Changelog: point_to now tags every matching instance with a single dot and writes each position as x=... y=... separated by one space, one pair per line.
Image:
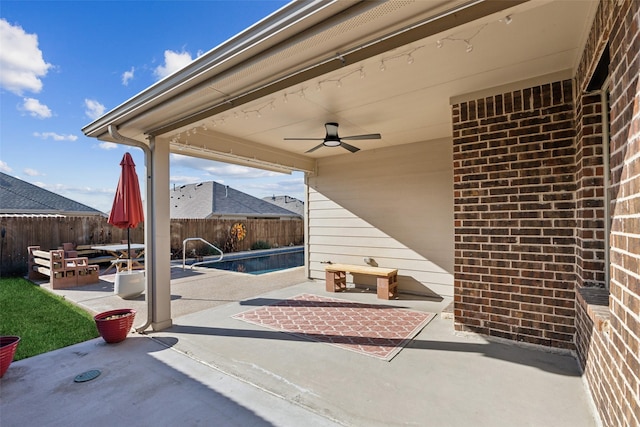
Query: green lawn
x=43 y=321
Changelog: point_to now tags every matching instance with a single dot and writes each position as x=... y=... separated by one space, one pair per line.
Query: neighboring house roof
x=289 y=203
x=211 y=199
x=20 y=197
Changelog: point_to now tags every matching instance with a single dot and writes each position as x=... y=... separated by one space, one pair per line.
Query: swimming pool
x=260 y=262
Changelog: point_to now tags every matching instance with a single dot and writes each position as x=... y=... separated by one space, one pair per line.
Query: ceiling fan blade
x=349 y=147
x=315 y=148
x=359 y=137
x=332 y=139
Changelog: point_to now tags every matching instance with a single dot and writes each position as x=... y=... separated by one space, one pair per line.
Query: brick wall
x=515 y=225
x=608 y=322
x=530 y=216
x=590 y=193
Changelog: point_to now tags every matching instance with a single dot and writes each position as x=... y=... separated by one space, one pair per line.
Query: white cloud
x=218 y=169
x=236 y=171
x=32 y=172
x=128 y=75
x=21 y=62
x=184 y=179
x=108 y=145
x=4 y=167
x=173 y=61
x=93 y=109
x=96 y=197
x=35 y=108
x=55 y=136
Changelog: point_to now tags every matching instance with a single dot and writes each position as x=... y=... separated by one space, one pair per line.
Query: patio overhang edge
x=245 y=48
x=265 y=159
x=248 y=44
x=459 y=15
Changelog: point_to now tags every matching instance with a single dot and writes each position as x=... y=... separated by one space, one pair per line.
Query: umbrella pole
x=129 y=248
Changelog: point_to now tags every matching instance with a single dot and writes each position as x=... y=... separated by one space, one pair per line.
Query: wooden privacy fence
x=52 y=232
x=218 y=231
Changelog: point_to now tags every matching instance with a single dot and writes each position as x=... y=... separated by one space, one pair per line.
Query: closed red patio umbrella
x=127 y=211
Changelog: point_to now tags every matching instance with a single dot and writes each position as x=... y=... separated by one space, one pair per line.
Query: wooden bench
x=387 y=278
x=63 y=272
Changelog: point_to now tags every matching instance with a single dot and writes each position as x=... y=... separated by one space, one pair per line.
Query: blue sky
x=65 y=63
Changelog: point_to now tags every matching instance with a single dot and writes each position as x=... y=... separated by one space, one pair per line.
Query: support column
x=159 y=235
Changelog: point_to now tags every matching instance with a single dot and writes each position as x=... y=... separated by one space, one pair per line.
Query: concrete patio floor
x=211 y=369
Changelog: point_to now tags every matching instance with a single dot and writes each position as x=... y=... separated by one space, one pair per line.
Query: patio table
x=121 y=252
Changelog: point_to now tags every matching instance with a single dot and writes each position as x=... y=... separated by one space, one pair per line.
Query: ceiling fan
x=332 y=139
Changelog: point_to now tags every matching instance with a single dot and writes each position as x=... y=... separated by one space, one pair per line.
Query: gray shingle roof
x=21 y=197
x=289 y=203
x=211 y=199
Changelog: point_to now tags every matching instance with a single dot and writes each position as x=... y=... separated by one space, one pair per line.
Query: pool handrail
x=184 y=251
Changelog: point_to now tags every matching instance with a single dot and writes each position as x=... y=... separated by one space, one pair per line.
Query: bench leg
x=63 y=279
x=336 y=281
x=387 y=287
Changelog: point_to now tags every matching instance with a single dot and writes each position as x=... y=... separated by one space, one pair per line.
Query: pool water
x=262 y=263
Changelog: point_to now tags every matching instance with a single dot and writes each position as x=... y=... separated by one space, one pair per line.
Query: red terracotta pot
x=114 y=325
x=8 y=345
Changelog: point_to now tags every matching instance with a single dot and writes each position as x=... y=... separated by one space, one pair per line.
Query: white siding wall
x=394 y=205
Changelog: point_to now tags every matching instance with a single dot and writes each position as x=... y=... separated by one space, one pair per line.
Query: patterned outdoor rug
x=374 y=330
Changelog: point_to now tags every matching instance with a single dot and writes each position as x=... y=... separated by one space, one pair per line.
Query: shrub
x=260 y=244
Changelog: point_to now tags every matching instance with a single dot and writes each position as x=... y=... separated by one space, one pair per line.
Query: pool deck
x=192 y=290
x=212 y=369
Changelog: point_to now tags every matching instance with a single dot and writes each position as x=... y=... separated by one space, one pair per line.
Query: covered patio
x=505 y=179
x=211 y=368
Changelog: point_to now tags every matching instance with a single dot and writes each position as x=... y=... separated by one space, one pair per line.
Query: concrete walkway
x=211 y=369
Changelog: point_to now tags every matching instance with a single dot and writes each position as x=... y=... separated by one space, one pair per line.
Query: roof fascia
x=260 y=36
x=459 y=15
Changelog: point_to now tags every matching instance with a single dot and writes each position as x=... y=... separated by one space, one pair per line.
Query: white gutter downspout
x=149 y=222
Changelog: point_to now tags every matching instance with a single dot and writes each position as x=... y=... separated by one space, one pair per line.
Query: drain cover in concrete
x=87 y=376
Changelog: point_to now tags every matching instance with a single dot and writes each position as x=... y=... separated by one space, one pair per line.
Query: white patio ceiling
x=238 y=108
